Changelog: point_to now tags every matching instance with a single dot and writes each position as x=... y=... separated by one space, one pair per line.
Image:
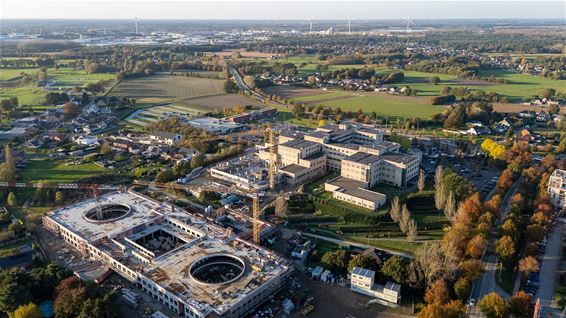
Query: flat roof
x=363 y=157
x=400 y=158
x=71 y=217
x=363 y=272
x=356 y=189
x=293 y=168
x=172 y=272
x=298 y=144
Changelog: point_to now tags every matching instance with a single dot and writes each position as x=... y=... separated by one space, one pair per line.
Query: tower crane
x=256 y=211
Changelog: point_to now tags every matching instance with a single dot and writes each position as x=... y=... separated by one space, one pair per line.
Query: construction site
x=192 y=266
x=245 y=172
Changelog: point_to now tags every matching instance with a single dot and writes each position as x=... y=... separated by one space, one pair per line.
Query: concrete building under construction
x=192 y=267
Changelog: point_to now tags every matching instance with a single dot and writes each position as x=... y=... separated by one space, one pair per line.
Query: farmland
x=199 y=93
x=162 y=88
x=383 y=104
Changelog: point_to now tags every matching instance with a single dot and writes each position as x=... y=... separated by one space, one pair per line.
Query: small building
x=317 y=272
x=363 y=281
x=165 y=137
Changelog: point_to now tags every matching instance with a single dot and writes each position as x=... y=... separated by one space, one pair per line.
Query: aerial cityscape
x=280 y=158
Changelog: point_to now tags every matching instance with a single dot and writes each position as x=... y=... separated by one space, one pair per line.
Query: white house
x=363 y=281
x=165 y=137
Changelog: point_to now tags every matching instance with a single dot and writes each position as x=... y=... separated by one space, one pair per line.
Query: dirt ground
x=220 y=101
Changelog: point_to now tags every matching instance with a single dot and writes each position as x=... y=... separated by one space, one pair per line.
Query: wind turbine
x=409 y=22
x=349 y=25
x=136 y=22
x=310 y=24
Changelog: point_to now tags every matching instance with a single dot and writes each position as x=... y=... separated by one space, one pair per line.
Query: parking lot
x=484 y=177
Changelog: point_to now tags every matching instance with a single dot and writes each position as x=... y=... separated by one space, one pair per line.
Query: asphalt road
x=487 y=283
x=549 y=268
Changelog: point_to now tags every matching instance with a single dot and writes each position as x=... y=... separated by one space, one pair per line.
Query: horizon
x=281 y=10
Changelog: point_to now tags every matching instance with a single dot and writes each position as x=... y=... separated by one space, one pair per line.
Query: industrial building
x=192 y=267
x=358 y=151
x=557 y=189
x=215 y=125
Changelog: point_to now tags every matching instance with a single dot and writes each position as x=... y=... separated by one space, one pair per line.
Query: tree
x=476 y=246
x=197 y=161
x=281 y=206
x=505 y=181
x=11 y=200
x=439 y=196
x=462 y=288
x=429 y=264
x=520 y=305
x=7 y=174
x=412 y=230
x=321 y=123
x=30 y=310
x=422 y=180
x=528 y=265
x=105 y=149
x=9 y=157
x=404 y=219
x=493 y=306
x=492 y=148
x=472 y=269
x=362 y=261
x=70 y=109
x=505 y=247
x=164 y=175
x=395 y=210
x=450 y=206
x=59 y=197
x=336 y=261
x=69 y=302
x=437 y=292
x=434 y=80
x=394 y=269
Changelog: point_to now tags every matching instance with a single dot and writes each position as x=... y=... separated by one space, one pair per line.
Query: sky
x=281 y=10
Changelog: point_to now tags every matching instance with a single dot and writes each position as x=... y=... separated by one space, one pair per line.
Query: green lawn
x=64 y=78
x=388 y=105
x=27 y=94
x=9 y=73
x=522 y=85
x=57 y=171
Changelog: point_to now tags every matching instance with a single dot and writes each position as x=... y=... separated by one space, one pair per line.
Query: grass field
x=384 y=105
x=27 y=94
x=57 y=171
x=64 y=78
x=522 y=85
x=161 y=88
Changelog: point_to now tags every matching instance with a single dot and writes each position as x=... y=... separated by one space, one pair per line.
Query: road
x=342 y=242
x=245 y=87
x=487 y=283
x=549 y=269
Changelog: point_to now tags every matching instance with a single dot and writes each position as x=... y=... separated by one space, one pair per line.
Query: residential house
x=165 y=137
